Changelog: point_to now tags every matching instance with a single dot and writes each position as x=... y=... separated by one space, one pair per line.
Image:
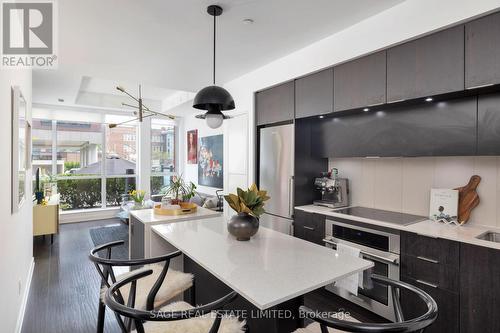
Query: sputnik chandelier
x=142 y=111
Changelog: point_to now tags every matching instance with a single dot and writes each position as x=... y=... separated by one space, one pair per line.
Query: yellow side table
x=46 y=220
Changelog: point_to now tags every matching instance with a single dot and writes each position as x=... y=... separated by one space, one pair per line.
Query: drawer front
x=429 y=272
x=441 y=251
x=448 y=306
x=309 y=226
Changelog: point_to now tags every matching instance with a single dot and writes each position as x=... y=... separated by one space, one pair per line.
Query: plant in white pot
x=250 y=206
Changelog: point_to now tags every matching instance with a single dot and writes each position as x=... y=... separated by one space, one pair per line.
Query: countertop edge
x=168 y=219
x=420 y=228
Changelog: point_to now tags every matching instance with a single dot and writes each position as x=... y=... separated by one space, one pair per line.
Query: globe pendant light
x=213 y=98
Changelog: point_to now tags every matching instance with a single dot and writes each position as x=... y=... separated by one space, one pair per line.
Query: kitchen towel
x=350 y=283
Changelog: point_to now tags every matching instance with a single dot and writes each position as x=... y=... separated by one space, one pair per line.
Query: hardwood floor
x=65 y=286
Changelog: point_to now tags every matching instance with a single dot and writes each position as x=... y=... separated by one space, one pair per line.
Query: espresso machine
x=334 y=190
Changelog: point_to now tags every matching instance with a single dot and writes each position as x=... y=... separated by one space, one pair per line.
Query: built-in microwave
x=378 y=245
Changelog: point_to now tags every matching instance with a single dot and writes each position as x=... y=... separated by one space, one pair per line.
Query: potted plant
x=138 y=197
x=250 y=206
x=179 y=190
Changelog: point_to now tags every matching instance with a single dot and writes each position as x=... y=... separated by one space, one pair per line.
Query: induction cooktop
x=381 y=215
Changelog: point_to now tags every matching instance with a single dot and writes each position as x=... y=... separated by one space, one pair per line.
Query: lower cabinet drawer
x=441 y=250
x=448 y=306
x=430 y=272
x=309 y=226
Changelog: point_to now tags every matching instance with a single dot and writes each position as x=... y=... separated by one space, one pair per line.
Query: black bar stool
x=401 y=325
x=175 y=317
x=153 y=292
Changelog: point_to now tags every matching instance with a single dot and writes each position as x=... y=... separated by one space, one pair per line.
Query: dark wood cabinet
x=314 y=94
x=448 y=307
x=431 y=264
x=437 y=249
x=432 y=129
x=360 y=83
x=309 y=226
x=275 y=104
x=482 y=51
x=427 y=66
x=306 y=167
x=488 y=125
x=479 y=289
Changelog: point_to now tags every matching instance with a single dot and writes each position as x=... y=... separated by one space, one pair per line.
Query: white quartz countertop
x=464 y=234
x=148 y=216
x=269 y=269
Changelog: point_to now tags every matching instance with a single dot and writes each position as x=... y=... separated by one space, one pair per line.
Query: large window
x=162 y=153
x=79 y=149
x=121 y=163
x=79 y=164
x=42 y=146
x=95 y=166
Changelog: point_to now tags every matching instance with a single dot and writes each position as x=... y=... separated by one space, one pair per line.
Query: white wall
x=235 y=131
x=403 y=184
x=187 y=123
x=16 y=231
x=405 y=21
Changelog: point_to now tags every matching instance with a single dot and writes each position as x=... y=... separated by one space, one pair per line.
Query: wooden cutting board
x=468 y=199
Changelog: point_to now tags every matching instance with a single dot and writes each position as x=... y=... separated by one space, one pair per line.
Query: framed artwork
x=192 y=147
x=20 y=149
x=210 y=161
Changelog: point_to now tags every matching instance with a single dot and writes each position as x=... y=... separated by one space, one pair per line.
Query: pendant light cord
x=214 y=51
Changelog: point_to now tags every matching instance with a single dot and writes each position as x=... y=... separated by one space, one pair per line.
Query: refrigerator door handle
x=290 y=196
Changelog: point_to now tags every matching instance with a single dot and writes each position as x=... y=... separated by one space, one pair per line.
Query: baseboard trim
x=24 y=302
x=87 y=215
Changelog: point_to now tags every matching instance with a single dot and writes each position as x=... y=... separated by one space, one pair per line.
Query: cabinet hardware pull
x=428 y=236
x=392 y=261
x=309 y=228
x=396 y=101
x=428 y=259
x=480 y=86
x=427 y=284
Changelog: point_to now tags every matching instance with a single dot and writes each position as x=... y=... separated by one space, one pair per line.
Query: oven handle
x=392 y=261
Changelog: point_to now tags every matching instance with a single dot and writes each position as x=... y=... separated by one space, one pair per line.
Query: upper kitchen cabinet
x=360 y=83
x=314 y=94
x=427 y=66
x=488 y=125
x=434 y=129
x=275 y=104
x=482 y=52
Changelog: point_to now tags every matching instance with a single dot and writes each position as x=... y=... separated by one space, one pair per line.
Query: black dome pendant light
x=213 y=98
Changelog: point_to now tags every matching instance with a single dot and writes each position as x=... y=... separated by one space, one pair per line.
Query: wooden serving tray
x=186 y=208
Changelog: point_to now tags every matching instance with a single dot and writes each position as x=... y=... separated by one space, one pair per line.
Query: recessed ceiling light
x=321 y=117
x=429 y=99
x=248 y=21
x=60 y=100
x=366 y=109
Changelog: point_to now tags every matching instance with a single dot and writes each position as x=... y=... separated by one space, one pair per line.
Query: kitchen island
x=140 y=228
x=270 y=272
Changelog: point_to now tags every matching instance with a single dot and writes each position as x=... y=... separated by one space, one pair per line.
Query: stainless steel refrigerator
x=276 y=171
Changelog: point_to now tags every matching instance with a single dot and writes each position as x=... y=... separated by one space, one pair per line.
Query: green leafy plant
x=251 y=201
x=180 y=189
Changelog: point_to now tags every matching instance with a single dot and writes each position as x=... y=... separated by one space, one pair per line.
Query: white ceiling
x=167 y=45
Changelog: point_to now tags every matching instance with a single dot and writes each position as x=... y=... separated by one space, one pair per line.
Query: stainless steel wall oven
x=380 y=245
